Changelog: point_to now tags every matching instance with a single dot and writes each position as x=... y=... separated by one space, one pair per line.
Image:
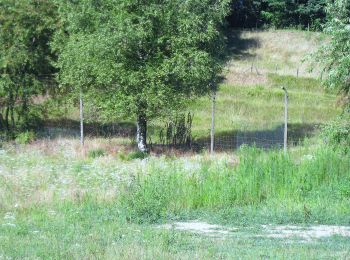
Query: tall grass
x=312 y=182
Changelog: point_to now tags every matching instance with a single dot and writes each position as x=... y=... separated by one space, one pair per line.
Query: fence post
x=81 y=119
x=285 y=139
x=212 y=131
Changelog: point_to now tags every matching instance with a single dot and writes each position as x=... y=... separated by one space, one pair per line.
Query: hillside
x=253 y=101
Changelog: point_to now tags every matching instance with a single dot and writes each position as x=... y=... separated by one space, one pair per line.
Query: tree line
x=136 y=59
x=301 y=14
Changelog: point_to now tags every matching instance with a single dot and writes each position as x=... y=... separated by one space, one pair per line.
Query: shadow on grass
x=224 y=141
x=267 y=139
x=238 y=48
x=71 y=128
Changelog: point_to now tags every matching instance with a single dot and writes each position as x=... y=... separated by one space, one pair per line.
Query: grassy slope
x=250 y=102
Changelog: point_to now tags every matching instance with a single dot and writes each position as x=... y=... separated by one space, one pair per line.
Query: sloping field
x=251 y=99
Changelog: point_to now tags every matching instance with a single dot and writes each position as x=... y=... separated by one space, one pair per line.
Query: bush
x=136 y=155
x=96 y=153
x=261 y=178
x=337 y=133
x=25 y=137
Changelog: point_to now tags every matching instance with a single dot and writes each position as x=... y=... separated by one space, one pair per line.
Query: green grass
x=91 y=230
x=295 y=190
x=261 y=107
x=66 y=206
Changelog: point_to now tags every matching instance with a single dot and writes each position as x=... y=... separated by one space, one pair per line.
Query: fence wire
x=266 y=138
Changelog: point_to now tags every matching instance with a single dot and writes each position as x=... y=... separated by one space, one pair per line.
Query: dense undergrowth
x=313 y=187
x=56 y=203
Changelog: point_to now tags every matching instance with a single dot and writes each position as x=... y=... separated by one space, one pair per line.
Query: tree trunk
x=7 y=118
x=2 y=125
x=142 y=133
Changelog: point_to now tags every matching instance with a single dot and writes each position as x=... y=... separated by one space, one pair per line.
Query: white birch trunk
x=141 y=133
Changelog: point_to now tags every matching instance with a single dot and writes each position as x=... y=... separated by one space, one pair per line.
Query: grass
x=261 y=106
x=93 y=231
x=304 y=187
x=273 y=51
x=66 y=205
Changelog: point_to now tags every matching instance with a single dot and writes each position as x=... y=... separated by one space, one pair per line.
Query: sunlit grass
x=261 y=107
x=66 y=205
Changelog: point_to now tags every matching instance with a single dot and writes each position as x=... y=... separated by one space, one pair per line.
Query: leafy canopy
x=138 y=56
x=334 y=56
x=25 y=30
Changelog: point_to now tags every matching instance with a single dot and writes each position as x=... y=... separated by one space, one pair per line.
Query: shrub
x=337 y=132
x=136 y=155
x=25 y=137
x=96 y=153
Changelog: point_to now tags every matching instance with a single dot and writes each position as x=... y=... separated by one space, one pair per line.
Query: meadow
x=108 y=201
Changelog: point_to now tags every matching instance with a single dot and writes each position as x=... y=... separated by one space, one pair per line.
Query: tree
x=140 y=59
x=334 y=55
x=25 y=30
x=277 y=13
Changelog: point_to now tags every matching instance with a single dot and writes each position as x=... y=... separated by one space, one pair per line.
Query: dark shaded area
x=71 y=128
x=303 y=14
x=224 y=141
x=266 y=139
x=237 y=47
x=232 y=140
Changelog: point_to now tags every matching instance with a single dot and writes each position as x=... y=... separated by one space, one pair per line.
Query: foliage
x=178 y=131
x=136 y=155
x=25 y=137
x=26 y=28
x=260 y=178
x=94 y=153
x=337 y=132
x=334 y=55
x=140 y=59
x=278 y=13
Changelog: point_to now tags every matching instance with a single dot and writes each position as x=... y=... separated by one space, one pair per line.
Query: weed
x=136 y=155
x=96 y=153
x=260 y=178
x=25 y=137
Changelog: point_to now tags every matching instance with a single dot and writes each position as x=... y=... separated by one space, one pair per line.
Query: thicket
x=302 y=187
x=25 y=30
x=303 y=14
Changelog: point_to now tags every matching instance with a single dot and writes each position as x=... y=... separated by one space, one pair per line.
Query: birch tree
x=138 y=58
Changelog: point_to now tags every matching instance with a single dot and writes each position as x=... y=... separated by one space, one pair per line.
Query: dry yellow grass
x=275 y=51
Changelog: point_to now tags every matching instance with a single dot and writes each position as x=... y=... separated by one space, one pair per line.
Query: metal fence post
x=285 y=139
x=212 y=131
x=81 y=119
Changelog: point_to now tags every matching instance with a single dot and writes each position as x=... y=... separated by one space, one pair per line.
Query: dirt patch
x=305 y=233
x=285 y=232
x=200 y=228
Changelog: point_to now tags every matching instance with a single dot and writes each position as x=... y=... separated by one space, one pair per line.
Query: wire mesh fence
x=262 y=137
